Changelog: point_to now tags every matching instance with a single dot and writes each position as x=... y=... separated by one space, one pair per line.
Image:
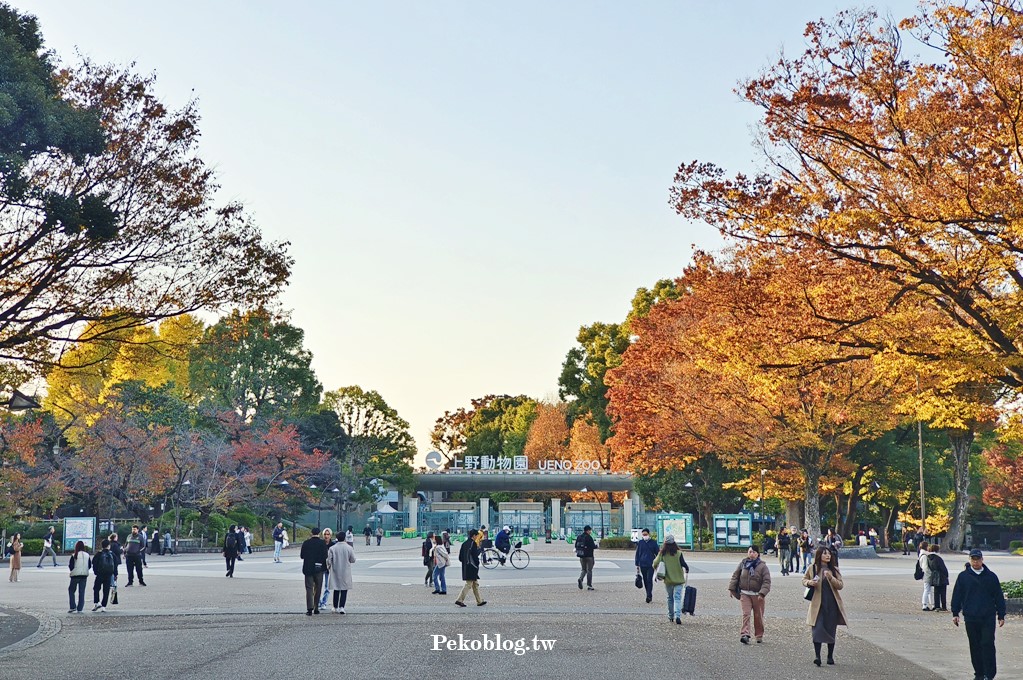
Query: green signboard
x=678 y=524
x=733 y=531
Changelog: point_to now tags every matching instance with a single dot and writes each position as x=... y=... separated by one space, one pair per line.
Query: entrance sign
x=678 y=524
x=79 y=529
x=512 y=463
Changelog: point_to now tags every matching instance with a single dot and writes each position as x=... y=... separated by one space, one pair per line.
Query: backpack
x=580 y=551
x=918 y=573
x=232 y=542
x=103 y=565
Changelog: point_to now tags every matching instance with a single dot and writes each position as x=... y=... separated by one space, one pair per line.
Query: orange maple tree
x=741 y=365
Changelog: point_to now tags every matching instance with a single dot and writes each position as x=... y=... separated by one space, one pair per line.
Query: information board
x=678 y=524
x=733 y=531
x=79 y=529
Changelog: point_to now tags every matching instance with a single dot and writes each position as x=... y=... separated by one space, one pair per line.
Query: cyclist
x=503 y=541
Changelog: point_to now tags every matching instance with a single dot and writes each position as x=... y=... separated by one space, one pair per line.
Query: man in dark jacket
x=646 y=551
x=584 y=547
x=230 y=550
x=469 y=556
x=134 y=546
x=314 y=564
x=978 y=595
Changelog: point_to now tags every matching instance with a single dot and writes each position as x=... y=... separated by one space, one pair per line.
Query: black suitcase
x=689 y=601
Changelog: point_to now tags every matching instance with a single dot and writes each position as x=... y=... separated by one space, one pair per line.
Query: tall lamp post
x=699 y=529
x=599 y=505
x=763 y=472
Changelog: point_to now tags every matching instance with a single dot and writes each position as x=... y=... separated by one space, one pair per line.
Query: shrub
x=617 y=543
x=1015 y=545
x=1013 y=589
x=33 y=547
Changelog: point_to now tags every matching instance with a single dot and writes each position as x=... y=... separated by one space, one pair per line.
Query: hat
x=670 y=538
x=506 y=528
x=976 y=553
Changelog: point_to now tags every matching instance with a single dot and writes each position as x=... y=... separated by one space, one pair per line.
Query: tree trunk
x=793 y=514
x=852 y=500
x=962 y=442
x=812 y=478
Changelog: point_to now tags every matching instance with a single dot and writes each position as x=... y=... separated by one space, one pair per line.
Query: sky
x=463 y=184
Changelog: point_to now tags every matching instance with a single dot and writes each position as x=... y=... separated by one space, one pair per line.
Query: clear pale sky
x=464 y=184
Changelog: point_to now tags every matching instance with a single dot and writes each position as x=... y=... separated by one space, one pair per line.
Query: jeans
x=648 y=580
x=78 y=584
x=784 y=559
x=326 y=590
x=277 y=550
x=440 y=582
x=313 y=583
x=587 y=570
x=48 y=551
x=981 y=635
x=674 y=599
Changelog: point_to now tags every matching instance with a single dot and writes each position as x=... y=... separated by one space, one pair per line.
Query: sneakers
x=71 y=611
x=760 y=641
x=590 y=588
x=678 y=621
x=39 y=566
x=142 y=584
x=340 y=610
x=744 y=639
x=129 y=585
x=580 y=582
x=96 y=608
x=103 y=609
x=648 y=599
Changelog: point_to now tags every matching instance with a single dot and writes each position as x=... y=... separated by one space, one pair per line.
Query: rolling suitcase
x=689 y=601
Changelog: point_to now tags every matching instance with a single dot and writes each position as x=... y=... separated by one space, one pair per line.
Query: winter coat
x=469 y=556
x=16 y=547
x=441 y=558
x=340 y=559
x=926 y=566
x=313 y=553
x=759 y=581
x=978 y=596
x=937 y=571
x=815 y=604
x=646 y=551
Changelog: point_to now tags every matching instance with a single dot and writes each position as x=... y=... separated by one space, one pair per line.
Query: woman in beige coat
x=16 y=546
x=826 y=611
x=340 y=559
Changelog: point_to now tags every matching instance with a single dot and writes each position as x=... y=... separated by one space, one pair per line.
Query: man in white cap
x=978 y=595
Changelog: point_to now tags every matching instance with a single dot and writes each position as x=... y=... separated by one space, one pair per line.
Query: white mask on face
x=646 y=538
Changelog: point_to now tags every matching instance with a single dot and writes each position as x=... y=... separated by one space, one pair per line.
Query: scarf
x=751 y=565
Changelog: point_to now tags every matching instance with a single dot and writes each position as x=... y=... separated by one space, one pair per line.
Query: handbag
x=808 y=593
x=639 y=581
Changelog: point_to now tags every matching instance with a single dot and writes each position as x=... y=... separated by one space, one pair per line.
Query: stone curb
x=48 y=627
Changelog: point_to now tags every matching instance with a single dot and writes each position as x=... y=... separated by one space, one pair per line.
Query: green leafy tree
x=256 y=366
x=376 y=443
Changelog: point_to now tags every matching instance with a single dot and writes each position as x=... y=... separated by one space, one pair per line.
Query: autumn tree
x=118 y=234
x=722 y=370
x=906 y=165
x=548 y=436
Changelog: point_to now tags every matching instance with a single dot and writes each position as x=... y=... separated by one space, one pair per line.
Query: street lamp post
x=599 y=505
x=177 y=509
x=696 y=492
x=762 y=473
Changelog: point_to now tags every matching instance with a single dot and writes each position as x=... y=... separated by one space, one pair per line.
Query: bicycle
x=518 y=557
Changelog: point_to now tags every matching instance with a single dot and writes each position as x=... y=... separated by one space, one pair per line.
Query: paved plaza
x=191 y=622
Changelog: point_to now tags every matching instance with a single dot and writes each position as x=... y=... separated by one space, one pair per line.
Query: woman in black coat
x=939 y=577
x=469 y=556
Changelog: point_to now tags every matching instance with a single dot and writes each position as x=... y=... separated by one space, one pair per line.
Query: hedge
x=1015 y=545
x=1013 y=589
